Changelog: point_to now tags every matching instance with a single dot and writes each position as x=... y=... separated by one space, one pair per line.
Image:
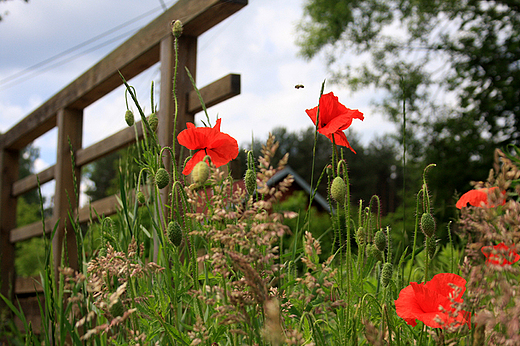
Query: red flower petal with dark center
x=422 y=302
x=500 y=254
x=220 y=147
x=479 y=198
x=334 y=118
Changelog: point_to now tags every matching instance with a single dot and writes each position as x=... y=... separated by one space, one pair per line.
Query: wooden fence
x=64 y=110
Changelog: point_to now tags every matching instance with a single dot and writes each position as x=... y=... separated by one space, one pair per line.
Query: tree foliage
x=453 y=67
x=373 y=170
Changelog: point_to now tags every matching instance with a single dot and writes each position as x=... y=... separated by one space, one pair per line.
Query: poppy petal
x=340 y=139
x=199 y=156
x=334 y=118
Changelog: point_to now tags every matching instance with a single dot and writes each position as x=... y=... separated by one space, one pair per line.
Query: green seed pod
x=380 y=240
x=373 y=252
x=140 y=197
x=200 y=173
x=386 y=274
x=177 y=28
x=360 y=236
x=431 y=246
x=250 y=181
x=129 y=117
x=117 y=309
x=153 y=121
x=162 y=178
x=428 y=224
x=338 y=190
x=174 y=233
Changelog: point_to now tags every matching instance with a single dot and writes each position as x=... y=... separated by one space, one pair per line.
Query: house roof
x=301 y=183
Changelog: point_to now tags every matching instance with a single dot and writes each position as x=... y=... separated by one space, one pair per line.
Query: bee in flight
x=299 y=86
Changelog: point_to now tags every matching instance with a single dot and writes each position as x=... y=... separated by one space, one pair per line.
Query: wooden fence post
x=9 y=161
x=187 y=57
x=70 y=128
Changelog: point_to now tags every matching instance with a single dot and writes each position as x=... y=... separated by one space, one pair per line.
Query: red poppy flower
x=334 y=118
x=500 y=254
x=221 y=147
x=423 y=302
x=479 y=198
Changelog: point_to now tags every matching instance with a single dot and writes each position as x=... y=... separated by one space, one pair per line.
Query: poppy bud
x=386 y=274
x=140 y=197
x=117 y=309
x=153 y=121
x=129 y=117
x=250 y=181
x=177 y=28
x=428 y=224
x=360 y=236
x=380 y=240
x=329 y=170
x=373 y=252
x=162 y=178
x=431 y=246
x=174 y=233
x=337 y=190
x=200 y=173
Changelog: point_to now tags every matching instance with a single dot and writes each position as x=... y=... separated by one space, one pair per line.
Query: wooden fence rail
x=64 y=110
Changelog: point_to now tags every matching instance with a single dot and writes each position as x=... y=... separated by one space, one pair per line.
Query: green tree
x=373 y=170
x=451 y=66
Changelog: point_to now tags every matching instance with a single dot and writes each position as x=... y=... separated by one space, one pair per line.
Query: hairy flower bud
x=174 y=233
x=129 y=117
x=373 y=252
x=177 y=28
x=153 y=121
x=250 y=181
x=140 y=197
x=386 y=274
x=360 y=236
x=380 y=240
x=200 y=173
x=428 y=224
x=338 y=190
x=162 y=178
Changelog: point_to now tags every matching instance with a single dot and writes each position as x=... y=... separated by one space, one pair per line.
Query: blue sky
x=257 y=42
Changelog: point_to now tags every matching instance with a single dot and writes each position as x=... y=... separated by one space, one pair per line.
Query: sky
x=38 y=58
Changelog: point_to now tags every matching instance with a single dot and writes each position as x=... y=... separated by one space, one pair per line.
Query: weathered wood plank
x=30 y=182
x=214 y=93
x=28 y=285
x=131 y=58
x=108 y=145
x=9 y=161
x=106 y=206
x=70 y=131
x=32 y=230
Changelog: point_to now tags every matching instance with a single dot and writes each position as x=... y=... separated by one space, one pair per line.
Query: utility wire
x=18 y=76
x=59 y=63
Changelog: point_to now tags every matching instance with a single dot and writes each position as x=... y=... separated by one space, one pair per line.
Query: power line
x=17 y=77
